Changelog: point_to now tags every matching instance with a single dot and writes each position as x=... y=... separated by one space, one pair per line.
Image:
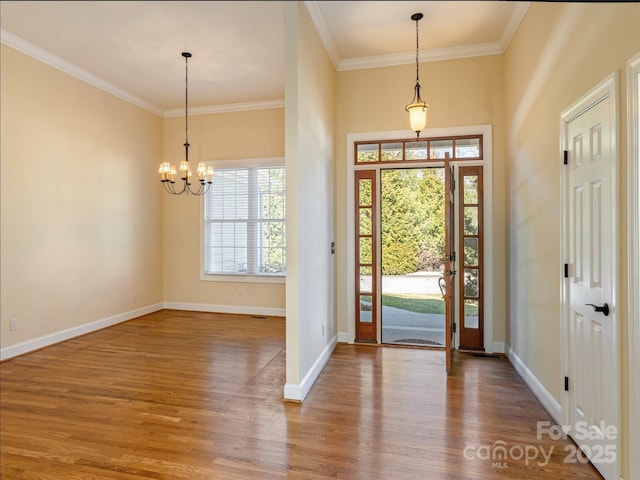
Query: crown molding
x=52 y=60
x=434 y=55
x=321 y=27
x=478 y=50
x=48 y=58
x=227 y=108
x=514 y=22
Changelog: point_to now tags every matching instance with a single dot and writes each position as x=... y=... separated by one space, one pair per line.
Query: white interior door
x=591 y=343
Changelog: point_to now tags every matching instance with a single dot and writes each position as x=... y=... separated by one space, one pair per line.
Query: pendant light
x=168 y=172
x=418 y=108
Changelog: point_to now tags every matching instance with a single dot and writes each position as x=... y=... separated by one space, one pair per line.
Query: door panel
x=592 y=345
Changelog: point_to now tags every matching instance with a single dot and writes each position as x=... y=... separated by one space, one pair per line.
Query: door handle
x=604 y=308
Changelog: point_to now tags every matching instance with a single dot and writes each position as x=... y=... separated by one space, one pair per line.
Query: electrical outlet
x=13 y=324
x=323 y=326
x=135 y=294
x=240 y=292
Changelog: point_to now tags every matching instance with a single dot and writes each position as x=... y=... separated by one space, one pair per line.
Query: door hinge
x=566 y=270
x=566 y=384
x=454 y=328
x=566 y=157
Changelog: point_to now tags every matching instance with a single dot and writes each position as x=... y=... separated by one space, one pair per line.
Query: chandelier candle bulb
x=210 y=172
x=164 y=171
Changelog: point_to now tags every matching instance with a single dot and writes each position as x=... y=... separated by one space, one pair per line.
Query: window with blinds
x=244 y=222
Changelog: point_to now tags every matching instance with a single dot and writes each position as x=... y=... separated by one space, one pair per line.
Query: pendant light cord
x=417 y=63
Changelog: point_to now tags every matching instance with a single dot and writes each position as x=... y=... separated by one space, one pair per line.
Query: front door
x=590 y=324
x=450 y=261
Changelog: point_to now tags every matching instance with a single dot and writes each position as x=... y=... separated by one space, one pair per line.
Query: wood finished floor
x=184 y=395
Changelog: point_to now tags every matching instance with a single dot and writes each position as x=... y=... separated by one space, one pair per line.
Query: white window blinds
x=244 y=222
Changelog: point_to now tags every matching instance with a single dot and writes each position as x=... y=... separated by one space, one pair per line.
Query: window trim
x=428 y=141
x=238 y=277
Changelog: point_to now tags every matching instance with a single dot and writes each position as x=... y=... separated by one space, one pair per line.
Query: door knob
x=604 y=308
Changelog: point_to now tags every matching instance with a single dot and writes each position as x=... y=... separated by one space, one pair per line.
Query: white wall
x=309 y=157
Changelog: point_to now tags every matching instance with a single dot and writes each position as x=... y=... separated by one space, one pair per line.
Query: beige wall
x=460 y=93
x=223 y=136
x=80 y=205
x=85 y=227
x=310 y=130
x=559 y=53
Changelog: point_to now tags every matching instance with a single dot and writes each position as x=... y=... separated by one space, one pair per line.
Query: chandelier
x=417 y=108
x=168 y=172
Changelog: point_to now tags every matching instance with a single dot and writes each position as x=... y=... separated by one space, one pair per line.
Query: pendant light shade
x=418 y=108
x=418 y=113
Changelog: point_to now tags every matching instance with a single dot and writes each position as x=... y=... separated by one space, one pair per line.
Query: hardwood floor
x=184 y=395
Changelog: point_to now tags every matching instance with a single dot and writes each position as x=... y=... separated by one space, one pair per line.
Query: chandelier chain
x=186 y=100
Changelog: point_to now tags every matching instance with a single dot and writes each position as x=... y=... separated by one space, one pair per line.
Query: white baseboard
x=343 y=337
x=542 y=394
x=237 y=309
x=298 y=392
x=498 y=347
x=69 y=333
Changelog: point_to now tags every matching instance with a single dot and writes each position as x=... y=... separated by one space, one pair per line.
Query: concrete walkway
x=402 y=326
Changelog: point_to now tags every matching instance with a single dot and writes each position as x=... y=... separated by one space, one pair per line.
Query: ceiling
x=132 y=48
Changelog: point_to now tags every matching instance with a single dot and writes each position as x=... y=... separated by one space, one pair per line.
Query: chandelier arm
x=201 y=190
x=168 y=187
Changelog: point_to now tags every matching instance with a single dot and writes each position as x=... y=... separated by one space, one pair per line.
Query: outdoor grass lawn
x=421 y=304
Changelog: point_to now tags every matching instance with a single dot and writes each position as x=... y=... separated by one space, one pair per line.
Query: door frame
x=487 y=132
x=607 y=88
x=633 y=192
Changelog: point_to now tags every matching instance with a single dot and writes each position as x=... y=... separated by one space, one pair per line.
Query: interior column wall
x=310 y=143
